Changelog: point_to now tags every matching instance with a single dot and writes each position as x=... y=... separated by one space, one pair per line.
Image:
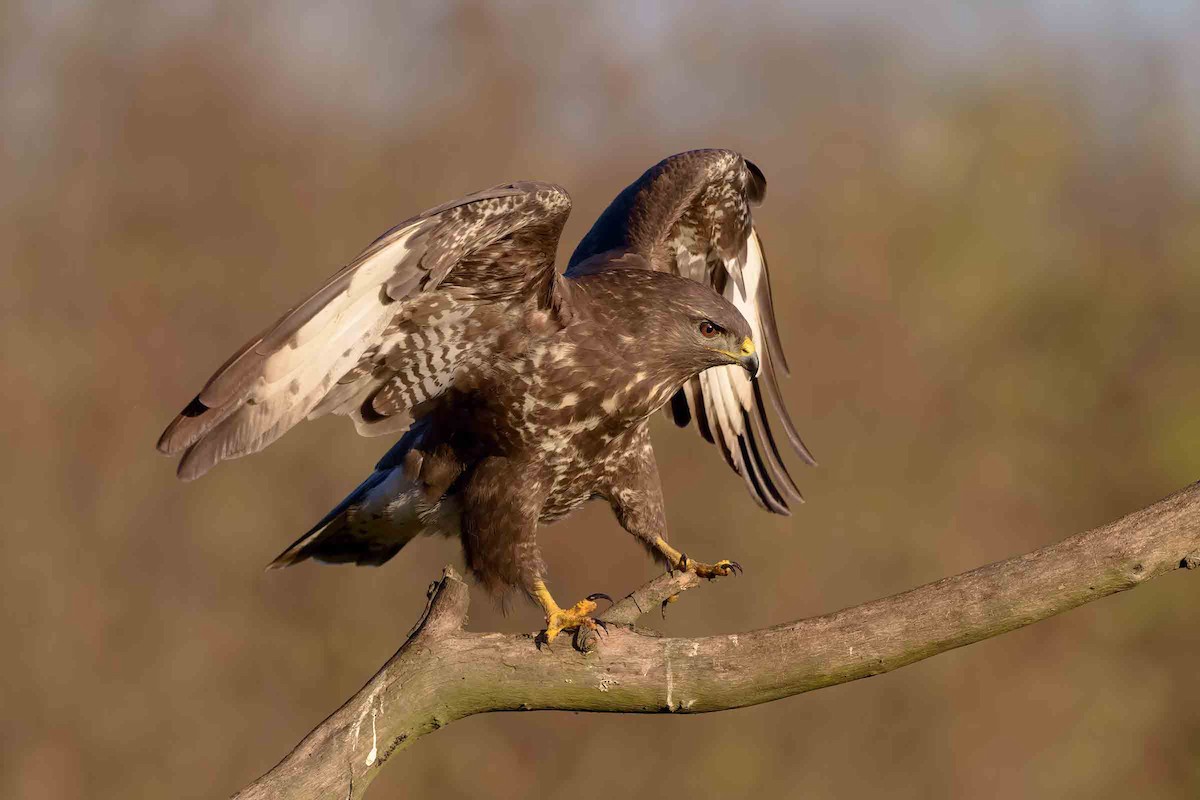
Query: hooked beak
x=748 y=357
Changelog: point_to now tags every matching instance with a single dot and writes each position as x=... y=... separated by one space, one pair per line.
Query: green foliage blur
x=984 y=228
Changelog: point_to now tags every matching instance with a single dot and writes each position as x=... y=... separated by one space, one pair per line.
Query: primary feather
x=386 y=333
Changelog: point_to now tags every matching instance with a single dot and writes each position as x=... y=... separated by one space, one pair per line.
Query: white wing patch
x=380 y=322
x=745 y=302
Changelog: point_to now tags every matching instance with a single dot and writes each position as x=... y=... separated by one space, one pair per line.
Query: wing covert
x=387 y=332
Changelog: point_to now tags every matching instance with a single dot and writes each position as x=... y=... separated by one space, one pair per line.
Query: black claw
x=735 y=567
x=600 y=595
x=682 y=562
x=665 y=603
x=601 y=623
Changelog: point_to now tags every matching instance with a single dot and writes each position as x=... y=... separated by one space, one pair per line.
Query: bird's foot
x=680 y=561
x=718 y=570
x=578 y=617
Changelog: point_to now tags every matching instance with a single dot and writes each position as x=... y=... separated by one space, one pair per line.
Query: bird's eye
x=708 y=330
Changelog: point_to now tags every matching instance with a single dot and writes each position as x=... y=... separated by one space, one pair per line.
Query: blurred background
x=984 y=229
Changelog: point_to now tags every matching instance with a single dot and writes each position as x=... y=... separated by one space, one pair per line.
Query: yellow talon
x=681 y=562
x=565 y=619
x=577 y=616
x=710 y=571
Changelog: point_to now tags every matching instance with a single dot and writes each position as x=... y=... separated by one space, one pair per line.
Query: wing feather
x=387 y=332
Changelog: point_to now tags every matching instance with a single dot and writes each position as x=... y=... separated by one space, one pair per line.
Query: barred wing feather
x=386 y=333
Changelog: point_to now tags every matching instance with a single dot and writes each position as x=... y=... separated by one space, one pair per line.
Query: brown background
x=984 y=232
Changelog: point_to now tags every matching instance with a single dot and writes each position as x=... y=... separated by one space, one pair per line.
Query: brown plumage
x=522 y=392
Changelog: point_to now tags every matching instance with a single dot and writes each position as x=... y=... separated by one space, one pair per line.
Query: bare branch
x=650 y=597
x=443 y=673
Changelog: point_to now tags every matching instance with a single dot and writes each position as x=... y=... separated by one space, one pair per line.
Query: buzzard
x=523 y=392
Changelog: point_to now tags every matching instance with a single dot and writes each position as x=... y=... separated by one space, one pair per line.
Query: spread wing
x=690 y=215
x=386 y=333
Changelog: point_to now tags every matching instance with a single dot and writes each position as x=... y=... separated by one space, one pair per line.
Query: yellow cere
x=747 y=350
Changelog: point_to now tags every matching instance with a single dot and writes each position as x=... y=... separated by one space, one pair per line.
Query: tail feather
x=383 y=514
x=356 y=531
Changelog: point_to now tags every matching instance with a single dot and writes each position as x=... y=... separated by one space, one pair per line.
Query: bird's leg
x=681 y=562
x=636 y=498
x=560 y=619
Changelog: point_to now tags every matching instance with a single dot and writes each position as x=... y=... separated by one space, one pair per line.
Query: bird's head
x=690 y=326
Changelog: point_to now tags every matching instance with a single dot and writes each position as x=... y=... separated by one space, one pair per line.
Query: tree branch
x=443 y=673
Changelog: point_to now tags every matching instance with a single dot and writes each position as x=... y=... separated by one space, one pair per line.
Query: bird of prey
x=523 y=392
